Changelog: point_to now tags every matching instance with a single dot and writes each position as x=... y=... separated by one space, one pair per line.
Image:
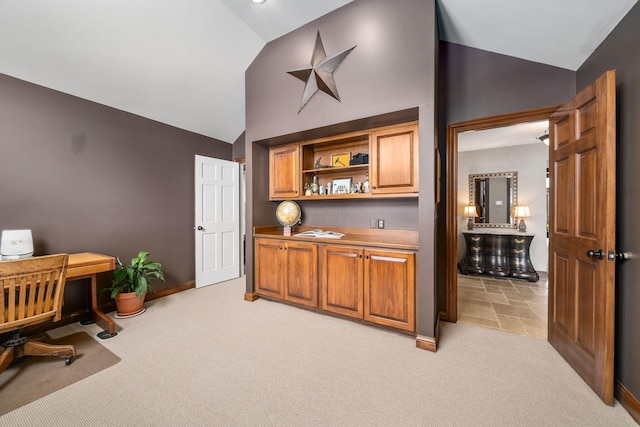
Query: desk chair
x=31 y=292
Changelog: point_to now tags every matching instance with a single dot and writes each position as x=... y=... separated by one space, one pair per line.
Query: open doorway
x=501 y=170
x=453 y=226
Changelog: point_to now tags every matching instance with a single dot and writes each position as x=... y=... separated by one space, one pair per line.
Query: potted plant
x=131 y=283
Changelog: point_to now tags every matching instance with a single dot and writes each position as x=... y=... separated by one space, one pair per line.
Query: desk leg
x=98 y=316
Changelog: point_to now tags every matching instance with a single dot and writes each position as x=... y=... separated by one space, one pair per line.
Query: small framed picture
x=340 y=160
x=341 y=186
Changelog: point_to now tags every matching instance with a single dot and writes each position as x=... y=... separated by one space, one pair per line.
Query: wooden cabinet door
x=268 y=271
x=342 y=280
x=284 y=172
x=393 y=157
x=301 y=273
x=389 y=288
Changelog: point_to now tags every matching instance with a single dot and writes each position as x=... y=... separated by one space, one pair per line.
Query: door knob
x=595 y=254
x=200 y=228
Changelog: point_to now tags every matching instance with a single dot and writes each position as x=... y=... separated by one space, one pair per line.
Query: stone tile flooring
x=510 y=305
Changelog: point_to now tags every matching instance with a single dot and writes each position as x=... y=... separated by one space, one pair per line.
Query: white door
x=217 y=221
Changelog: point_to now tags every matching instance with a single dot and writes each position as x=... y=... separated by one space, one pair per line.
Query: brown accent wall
x=619 y=52
x=474 y=83
x=89 y=178
x=391 y=69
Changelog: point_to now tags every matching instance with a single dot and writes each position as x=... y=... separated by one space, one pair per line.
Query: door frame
x=451 y=191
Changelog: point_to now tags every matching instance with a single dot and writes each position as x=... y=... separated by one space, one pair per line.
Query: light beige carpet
x=29 y=378
x=206 y=357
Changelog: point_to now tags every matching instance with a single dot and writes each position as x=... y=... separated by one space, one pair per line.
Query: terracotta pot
x=128 y=303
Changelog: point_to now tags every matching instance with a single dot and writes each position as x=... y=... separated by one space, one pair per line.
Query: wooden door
x=268 y=271
x=389 y=288
x=394 y=160
x=301 y=273
x=582 y=218
x=217 y=220
x=342 y=280
x=284 y=172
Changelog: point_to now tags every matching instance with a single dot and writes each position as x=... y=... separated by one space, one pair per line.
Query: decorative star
x=319 y=74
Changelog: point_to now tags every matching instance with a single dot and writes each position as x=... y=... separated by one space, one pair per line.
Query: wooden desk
x=87 y=265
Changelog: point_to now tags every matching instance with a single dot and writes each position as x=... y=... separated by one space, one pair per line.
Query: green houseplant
x=131 y=283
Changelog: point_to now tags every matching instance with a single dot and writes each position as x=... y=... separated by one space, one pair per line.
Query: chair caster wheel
x=68 y=360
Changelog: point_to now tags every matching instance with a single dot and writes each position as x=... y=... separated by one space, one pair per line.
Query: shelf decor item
x=340 y=160
x=288 y=214
x=341 y=185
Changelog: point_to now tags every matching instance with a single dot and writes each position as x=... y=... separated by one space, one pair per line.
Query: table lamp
x=471 y=212
x=521 y=211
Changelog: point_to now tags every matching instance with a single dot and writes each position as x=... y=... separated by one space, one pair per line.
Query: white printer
x=16 y=244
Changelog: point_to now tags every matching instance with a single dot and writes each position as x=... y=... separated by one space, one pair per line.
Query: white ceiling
x=183 y=62
x=520 y=134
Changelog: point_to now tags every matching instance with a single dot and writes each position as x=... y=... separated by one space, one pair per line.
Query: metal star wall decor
x=319 y=73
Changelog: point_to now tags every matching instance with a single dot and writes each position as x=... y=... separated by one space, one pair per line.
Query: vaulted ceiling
x=182 y=63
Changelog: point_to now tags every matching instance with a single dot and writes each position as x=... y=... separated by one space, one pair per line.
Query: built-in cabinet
x=390 y=168
x=287 y=270
x=284 y=172
x=373 y=284
x=370 y=284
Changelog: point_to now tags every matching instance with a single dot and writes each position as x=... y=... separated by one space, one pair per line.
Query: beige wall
x=530 y=161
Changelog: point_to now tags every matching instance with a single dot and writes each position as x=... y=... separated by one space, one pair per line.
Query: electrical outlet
x=381 y=223
x=373 y=223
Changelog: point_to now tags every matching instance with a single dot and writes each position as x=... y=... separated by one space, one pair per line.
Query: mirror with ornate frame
x=494 y=195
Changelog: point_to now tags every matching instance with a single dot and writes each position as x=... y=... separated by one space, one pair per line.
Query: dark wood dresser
x=500 y=254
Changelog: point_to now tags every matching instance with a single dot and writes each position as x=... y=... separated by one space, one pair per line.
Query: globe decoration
x=288 y=214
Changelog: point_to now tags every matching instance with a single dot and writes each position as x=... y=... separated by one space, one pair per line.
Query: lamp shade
x=470 y=211
x=521 y=211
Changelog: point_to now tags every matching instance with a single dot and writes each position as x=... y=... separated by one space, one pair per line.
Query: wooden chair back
x=31 y=290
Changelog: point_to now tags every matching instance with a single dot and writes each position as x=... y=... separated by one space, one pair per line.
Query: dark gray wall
x=618 y=52
x=238 y=148
x=85 y=177
x=391 y=69
x=475 y=83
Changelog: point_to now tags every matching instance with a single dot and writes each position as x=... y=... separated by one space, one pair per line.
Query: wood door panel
x=560 y=311
x=342 y=280
x=582 y=160
x=389 y=294
x=586 y=117
x=562 y=130
x=586 y=215
x=586 y=307
x=562 y=191
x=268 y=267
x=301 y=276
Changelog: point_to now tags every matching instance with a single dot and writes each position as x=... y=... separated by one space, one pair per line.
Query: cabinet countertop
x=386 y=238
x=500 y=231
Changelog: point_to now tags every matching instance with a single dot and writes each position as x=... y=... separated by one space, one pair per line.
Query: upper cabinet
x=394 y=160
x=380 y=162
x=284 y=172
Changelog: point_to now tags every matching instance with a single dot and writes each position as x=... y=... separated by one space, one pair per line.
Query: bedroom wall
x=391 y=69
x=474 y=84
x=618 y=52
x=89 y=178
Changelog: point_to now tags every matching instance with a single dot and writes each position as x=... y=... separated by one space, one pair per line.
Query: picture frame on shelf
x=341 y=185
x=340 y=160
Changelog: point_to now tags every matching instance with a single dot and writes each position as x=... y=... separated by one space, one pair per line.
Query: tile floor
x=510 y=305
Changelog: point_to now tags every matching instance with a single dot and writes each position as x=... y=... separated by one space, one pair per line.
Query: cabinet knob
x=374 y=187
x=366 y=257
x=360 y=256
